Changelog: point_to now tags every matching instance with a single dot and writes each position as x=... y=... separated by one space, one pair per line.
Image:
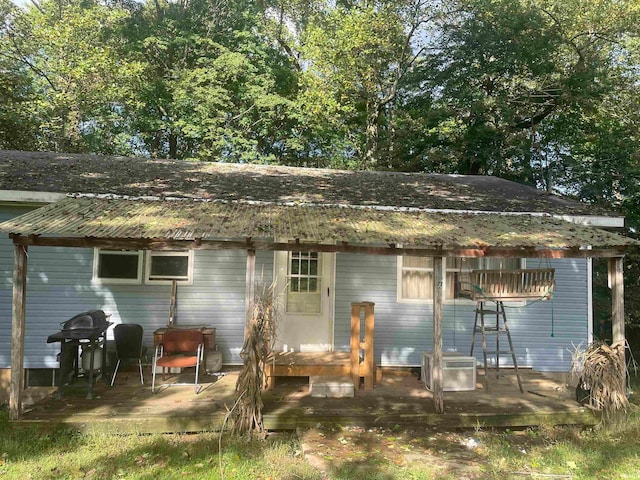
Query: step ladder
x=500 y=328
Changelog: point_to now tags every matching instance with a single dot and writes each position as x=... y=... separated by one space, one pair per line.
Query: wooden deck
x=400 y=399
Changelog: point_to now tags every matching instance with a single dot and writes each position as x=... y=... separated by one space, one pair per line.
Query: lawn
x=348 y=453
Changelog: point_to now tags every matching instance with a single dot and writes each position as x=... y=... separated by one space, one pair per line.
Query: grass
x=544 y=452
x=611 y=452
x=32 y=453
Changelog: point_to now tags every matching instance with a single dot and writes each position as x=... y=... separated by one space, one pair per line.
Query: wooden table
x=209 y=334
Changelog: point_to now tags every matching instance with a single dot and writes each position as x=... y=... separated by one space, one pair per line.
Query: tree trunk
x=173 y=145
x=372 y=136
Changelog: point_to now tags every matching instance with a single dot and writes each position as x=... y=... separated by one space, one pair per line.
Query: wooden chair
x=179 y=349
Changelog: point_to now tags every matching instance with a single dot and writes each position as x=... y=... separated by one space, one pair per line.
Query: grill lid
x=93 y=319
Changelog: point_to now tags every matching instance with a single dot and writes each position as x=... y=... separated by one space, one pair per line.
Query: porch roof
x=252 y=225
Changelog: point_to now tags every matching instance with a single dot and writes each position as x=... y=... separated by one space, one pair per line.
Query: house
x=113 y=233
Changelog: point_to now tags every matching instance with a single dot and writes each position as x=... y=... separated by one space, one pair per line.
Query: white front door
x=305 y=286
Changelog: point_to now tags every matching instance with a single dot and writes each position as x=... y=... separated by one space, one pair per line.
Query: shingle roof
x=191 y=220
x=91 y=174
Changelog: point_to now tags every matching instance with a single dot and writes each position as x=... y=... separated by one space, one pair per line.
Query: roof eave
x=342 y=247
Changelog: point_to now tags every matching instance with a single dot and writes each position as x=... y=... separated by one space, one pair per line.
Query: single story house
x=86 y=232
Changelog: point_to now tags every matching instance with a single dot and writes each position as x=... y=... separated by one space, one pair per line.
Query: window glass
x=303 y=293
x=167 y=266
x=416 y=282
x=113 y=266
x=117 y=266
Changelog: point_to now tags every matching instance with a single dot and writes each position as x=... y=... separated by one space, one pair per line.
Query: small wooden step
x=331 y=387
x=491 y=330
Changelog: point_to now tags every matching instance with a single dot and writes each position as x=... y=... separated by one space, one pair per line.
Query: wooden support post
x=172 y=303
x=438 y=300
x=616 y=277
x=369 y=364
x=250 y=289
x=17 y=331
x=355 y=345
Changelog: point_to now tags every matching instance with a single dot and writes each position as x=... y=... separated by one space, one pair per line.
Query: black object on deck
x=85 y=329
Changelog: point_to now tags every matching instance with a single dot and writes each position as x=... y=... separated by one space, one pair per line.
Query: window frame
x=188 y=280
x=447 y=300
x=97 y=252
x=318 y=277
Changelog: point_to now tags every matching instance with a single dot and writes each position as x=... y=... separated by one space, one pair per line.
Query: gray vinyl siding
x=59 y=286
x=6 y=267
x=404 y=330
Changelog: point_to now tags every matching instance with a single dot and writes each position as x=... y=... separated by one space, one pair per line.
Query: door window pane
x=303 y=293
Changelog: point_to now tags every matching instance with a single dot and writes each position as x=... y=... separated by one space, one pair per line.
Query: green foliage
x=67 y=56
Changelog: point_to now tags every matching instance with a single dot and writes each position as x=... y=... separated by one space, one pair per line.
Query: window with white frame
x=117 y=266
x=415 y=275
x=304 y=280
x=164 y=267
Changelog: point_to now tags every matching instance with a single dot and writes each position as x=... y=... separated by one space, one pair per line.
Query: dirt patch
x=363 y=452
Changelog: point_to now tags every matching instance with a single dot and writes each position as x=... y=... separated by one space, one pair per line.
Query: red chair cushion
x=178 y=361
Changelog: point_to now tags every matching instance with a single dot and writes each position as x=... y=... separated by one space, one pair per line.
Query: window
x=304 y=279
x=164 y=267
x=40 y=377
x=117 y=266
x=415 y=275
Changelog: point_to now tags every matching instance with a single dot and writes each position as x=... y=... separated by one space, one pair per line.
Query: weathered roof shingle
x=191 y=220
x=93 y=174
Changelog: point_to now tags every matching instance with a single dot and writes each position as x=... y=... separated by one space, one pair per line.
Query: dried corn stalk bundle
x=602 y=370
x=258 y=344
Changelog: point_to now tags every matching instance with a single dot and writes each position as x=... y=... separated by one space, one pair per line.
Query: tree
x=213 y=87
x=357 y=56
x=66 y=53
x=18 y=124
x=510 y=69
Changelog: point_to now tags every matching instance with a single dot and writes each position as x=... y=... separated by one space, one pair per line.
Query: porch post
x=17 y=330
x=616 y=277
x=438 y=299
x=250 y=285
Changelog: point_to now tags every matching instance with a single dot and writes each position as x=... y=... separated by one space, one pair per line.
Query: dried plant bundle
x=601 y=369
x=258 y=344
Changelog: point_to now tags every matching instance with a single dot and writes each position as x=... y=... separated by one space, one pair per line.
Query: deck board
x=398 y=400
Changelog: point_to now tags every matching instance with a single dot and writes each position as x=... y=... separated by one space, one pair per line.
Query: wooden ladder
x=501 y=327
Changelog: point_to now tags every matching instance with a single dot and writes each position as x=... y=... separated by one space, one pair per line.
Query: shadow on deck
x=400 y=400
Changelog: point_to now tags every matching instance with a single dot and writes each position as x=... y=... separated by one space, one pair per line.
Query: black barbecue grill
x=87 y=329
